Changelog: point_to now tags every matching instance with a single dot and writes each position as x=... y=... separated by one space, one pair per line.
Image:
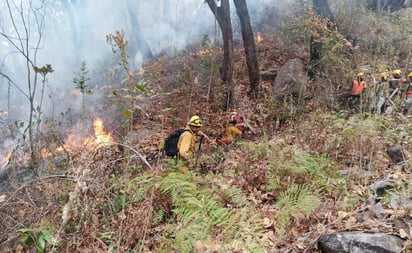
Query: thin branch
x=14 y=84
x=135 y=151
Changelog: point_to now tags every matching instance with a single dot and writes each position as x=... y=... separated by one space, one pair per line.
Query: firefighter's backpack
x=170 y=146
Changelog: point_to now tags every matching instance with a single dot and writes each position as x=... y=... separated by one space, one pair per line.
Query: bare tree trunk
x=139 y=42
x=380 y=6
x=321 y=8
x=222 y=15
x=71 y=8
x=249 y=45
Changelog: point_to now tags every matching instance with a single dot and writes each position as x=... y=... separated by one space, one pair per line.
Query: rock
x=360 y=242
x=381 y=186
x=400 y=201
x=291 y=79
x=396 y=153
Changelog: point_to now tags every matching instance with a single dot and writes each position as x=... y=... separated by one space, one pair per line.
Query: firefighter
x=381 y=92
x=358 y=86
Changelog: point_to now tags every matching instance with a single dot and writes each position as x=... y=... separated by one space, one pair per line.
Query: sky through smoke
x=75 y=31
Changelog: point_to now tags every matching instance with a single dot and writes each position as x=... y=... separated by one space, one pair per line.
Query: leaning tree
x=222 y=15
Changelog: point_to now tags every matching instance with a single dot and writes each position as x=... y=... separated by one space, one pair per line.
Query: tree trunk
x=380 y=6
x=222 y=15
x=249 y=45
x=70 y=7
x=138 y=41
x=321 y=8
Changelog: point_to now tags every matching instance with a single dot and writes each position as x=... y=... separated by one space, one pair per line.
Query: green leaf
x=127 y=113
x=25 y=230
x=48 y=236
x=41 y=243
x=140 y=87
x=26 y=239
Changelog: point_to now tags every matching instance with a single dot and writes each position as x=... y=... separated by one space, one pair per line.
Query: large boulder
x=360 y=242
x=291 y=79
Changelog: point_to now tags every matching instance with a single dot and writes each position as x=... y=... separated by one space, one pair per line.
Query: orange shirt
x=357 y=87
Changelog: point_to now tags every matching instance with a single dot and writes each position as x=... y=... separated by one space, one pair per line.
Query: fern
x=363 y=128
x=201 y=215
x=303 y=168
x=235 y=196
x=296 y=199
x=261 y=150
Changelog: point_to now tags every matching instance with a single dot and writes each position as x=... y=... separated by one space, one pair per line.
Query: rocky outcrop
x=291 y=79
x=360 y=242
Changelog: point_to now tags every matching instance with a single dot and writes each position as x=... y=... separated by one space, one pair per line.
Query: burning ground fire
x=258 y=37
x=75 y=142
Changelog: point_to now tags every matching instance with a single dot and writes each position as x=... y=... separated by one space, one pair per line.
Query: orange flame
x=101 y=136
x=259 y=37
x=76 y=142
x=73 y=143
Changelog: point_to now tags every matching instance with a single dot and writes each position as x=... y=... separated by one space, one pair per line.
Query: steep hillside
x=308 y=169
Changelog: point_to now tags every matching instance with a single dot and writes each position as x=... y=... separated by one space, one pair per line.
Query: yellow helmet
x=384 y=75
x=396 y=72
x=195 y=121
x=410 y=74
x=360 y=74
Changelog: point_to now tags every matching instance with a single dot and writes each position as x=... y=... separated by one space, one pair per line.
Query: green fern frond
x=273 y=184
x=260 y=150
x=363 y=128
x=235 y=196
x=304 y=168
x=296 y=199
x=201 y=214
x=158 y=217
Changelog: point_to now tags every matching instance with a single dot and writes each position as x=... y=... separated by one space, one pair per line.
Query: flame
x=203 y=52
x=101 y=136
x=73 y=144
x=76 y=142
x=44 y=153
x=259 y=37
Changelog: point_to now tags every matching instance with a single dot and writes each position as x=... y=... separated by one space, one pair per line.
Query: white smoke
x=75 y=31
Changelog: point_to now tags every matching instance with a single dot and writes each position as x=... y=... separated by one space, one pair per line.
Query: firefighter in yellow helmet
x=187 y=140
x=395 y=84
x=358 y=85
x=408 y=95
x=381 y=92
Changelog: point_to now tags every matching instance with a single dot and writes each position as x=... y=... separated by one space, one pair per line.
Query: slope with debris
x=307 y=173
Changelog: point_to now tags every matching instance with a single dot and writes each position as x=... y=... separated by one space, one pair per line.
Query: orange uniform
x=357 y=87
